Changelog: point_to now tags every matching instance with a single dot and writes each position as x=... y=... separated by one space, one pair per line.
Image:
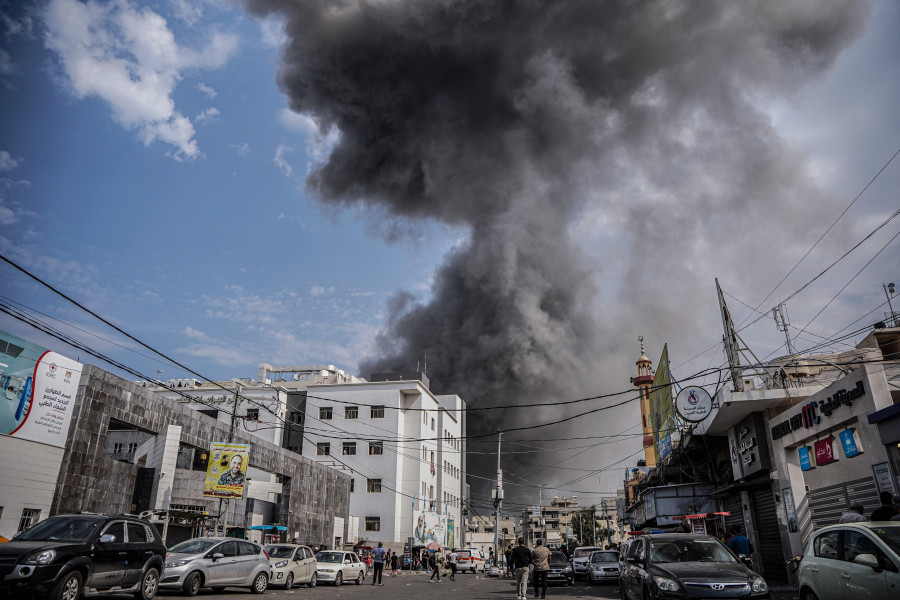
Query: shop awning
x=703 y=516
x=269 y=527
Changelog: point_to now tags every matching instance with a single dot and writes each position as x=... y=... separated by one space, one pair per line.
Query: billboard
x=662 y=407
x=429 y=528
x=226 y=471
x=39 y=389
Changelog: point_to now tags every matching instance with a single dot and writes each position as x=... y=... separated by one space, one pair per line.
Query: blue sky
x=150 y=168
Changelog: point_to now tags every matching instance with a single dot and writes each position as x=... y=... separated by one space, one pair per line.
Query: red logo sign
x=824 y=452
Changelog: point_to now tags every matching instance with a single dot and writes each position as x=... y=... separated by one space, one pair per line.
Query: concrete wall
x=28 y=472
x=313 y=494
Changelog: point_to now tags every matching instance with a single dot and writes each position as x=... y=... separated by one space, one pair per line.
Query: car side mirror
x=216 y=556
x=868 y=560
x=107 y=538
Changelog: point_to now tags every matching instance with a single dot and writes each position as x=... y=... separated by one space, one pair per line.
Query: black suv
x=64 y=555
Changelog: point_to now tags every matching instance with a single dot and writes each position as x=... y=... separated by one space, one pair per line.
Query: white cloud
x=242 y=149
x=318 y=290
x=186 y=11
x=209 y=114
x=208 y=90
x=7 y=162
x=280 y=162
x=272 y=29
x=297 y=122
x=194 y=334
x=128 y=57
x=6 y=64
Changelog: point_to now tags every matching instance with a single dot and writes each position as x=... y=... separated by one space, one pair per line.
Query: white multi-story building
x=404 y=448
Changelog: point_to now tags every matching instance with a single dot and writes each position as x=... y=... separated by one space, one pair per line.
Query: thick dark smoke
x=515 y=119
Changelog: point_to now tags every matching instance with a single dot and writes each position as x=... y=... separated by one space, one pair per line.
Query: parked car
x=851 y=561
x=217 y=563
x=291 y=564
x=560 y=570
x=580 y=558
x=65 y=555
x=337 y=567
x=603 y=566
x=671 y=565
x=469 y=559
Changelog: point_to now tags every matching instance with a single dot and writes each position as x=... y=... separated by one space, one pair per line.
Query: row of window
x=453 y=441
x=326 y=413
x=349 y=448
x=451 y=469
x=373 y=486
x=450 y=499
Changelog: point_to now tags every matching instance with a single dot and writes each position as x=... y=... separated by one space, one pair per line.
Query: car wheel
x=339 y=578
x=69 y=588
x=312 y=580
x=149 y=585
x=289 y=582
x=808 y=594
x=361 y=577
x=192 y=584
x=260 y=583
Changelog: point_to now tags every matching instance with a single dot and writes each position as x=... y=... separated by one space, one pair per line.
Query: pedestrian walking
x=540 y=558
x=508 y=555
x=434 y=563
x=395 y=564
x=854 y=515
x=521 y=559
x=378 y=555
x=452 y=558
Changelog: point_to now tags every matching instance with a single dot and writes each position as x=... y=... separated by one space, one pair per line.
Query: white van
x=469 y=559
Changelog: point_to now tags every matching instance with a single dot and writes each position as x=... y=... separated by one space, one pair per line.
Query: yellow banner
x=226 y=471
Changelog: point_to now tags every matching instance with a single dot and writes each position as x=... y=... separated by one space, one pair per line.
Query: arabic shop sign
x=825 y=451
x=748 y=446
x=809 y=414
x=805 y=460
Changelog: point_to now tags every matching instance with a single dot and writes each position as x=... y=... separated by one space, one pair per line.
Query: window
x=373 y=523
x=248 y=549
x=373 y=486
x=116 y=528
x=252 y=414
x=228 y=549
x=431 y=492
x=296 y=417
x=376 y=412
x=826 y=545
x=856 y=543
x=425 y=417
x=136 y=533
x=349 y=449
x=351 y=412
x=30 y=516
x=132 y=448
x=323 y=449
x=432 y=424
x=117 y=448
x=307 y=553
x=376 y=448
x=352 y=484
x=324 y=413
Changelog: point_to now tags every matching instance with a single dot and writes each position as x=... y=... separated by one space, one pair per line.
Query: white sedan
x=852 y=561
x=291 y=565
x=334 y=566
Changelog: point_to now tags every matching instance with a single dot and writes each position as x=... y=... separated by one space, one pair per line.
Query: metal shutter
x=768 y=535
x=826 y=505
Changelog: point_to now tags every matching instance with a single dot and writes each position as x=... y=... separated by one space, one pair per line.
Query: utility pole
x=782 y=323
x=237 y=390
x=498 y=500
x=889 y=292
x=731 y=342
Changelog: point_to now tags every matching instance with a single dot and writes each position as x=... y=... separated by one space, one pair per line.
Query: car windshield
x=604 y=557
x=330 y=557
x=62 y=529
x=890 y=536
x=558 y=557
x=582 y=552
x=193 y=546
x=689 y=550
x=279 y=551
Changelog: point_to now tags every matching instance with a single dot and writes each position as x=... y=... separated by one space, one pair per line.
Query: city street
x=415 y=586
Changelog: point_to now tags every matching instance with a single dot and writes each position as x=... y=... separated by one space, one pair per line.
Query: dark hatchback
x=560 y=569
x=64 y=556
x=669 y=566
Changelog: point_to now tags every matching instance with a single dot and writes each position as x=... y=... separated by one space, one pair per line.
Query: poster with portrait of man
x=226 y=472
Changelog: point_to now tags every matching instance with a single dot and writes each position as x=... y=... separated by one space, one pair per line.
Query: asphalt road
x=415 y=586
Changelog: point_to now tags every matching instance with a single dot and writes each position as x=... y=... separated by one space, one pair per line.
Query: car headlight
x=759 y=586
x=326 y=570
x=41 y=558
x=666 y=584
x=177 y=563
x=568 y=569
x=281 y=564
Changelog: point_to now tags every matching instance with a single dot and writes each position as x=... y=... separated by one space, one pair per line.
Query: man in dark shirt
x=521 y=559
x=739 y=543
x=886 y=510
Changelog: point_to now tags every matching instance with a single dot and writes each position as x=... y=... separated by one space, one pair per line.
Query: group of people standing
x=521 y=559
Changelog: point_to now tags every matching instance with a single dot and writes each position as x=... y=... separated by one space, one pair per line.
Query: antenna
x=731 y=342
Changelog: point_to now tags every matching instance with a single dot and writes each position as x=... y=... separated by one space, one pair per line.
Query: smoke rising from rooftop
x=519 y=121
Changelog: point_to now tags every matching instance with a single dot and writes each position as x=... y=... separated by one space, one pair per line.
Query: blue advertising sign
x=805 y=460
x=848 y=441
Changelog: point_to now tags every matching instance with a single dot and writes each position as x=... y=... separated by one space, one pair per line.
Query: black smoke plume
x=515 y=120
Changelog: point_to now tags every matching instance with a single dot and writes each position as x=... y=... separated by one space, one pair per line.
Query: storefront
x=887 y=421
x=827 y=455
